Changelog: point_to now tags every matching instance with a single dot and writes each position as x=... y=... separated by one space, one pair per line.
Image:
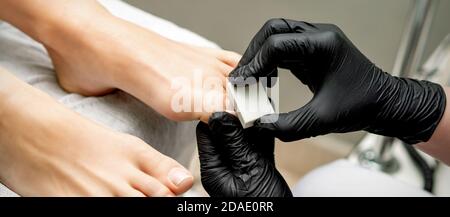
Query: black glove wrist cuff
x=412 y=112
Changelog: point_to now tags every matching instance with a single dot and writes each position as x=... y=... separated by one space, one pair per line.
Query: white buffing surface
x=251 y=102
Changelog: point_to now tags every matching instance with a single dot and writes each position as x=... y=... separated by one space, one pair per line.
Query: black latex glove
x=350 y=92
x=236 y=162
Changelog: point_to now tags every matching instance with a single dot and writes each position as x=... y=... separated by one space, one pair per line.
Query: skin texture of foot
x=125 y=56
x=51 y=151
x=95 y=56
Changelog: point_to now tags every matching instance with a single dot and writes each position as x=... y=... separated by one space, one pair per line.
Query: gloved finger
x=272 y=27
x=209 y=152
x=265 y=141
x=291 y=126
x=250 y=175
x=277 y=51
x=227 y=129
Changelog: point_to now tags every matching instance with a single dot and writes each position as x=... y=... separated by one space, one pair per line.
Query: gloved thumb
x=239 y=170
x=290 y=126
x=228 y=132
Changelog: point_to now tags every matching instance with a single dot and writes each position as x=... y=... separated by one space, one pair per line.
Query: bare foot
x=113 y=53
x=48 y=150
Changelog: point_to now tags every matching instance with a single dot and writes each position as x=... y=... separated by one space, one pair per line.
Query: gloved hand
x=350 y=92
x=236 y=162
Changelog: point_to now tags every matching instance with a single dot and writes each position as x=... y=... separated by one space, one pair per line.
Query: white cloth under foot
x=29 y=61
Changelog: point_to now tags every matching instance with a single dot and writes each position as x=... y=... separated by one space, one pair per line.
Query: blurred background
x=375 y=27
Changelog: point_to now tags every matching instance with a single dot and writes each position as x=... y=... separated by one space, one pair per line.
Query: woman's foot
x=48 y=150
x=113 y=53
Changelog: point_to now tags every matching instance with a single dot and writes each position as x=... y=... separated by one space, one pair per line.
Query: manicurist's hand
x=236 y=162
x=350 y=92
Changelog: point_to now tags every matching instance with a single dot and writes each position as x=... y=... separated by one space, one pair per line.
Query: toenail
x=178 y=175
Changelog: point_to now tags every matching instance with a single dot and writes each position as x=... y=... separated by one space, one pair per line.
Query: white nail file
x=251 y=102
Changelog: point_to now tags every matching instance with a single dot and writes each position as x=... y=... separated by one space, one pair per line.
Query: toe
x=228 y=57
x=150 y=186
x=167 y=171
x=130 y=192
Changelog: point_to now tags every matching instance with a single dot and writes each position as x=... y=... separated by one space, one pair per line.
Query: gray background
x=375 y=26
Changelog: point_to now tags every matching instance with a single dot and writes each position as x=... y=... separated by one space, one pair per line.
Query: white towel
x=29 y=61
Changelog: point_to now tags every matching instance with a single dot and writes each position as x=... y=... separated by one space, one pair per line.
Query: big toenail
x=179 y=175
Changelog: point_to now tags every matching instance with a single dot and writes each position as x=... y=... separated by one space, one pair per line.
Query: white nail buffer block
x=251 y=102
